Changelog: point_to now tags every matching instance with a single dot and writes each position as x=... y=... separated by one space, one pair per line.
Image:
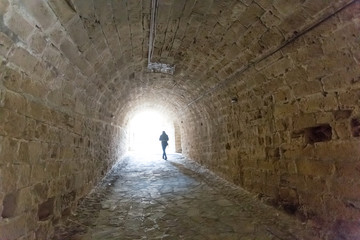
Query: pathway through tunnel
x=145 y=197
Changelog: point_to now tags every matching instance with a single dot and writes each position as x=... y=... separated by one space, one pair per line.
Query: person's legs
x=164 y=153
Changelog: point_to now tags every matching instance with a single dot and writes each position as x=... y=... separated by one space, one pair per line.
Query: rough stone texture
x=74 y=72
x=49 y=157
x=146 y=197
x=272 y=140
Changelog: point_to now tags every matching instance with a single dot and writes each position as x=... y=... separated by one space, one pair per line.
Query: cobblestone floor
x=146 y=197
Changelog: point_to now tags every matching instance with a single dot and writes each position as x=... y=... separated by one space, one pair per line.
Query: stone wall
x=287 y=128
x=49 y=157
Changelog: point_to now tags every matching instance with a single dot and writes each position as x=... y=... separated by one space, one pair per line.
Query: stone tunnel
x=266 y=94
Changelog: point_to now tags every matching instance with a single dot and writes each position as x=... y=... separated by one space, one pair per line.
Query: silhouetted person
x=164 y=142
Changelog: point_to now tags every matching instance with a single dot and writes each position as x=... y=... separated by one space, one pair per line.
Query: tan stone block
x=15 y=124
x=347 y=170
x=51 y=55
x=20 y=26
x=24 y=201
x=345 y=188
x=63 y=10
x=342 y=130
x=37 y=42
x=8 y=179
x=29 y=133
x=271 y=17
x=286 y=109
x=35 y=110
x=11 y=79
x=318 y=103
x=57 y=34
x=39 y=10
x=304 y=121
x=251 y=14
x=34 y=151
x=4 y=115
x=13 y=228
x=270 y=38
x=38 y=173
x=315 y=168
x=349 y=98
x=340 y=150
x=5 y=42
x=282 y=95
x=78 y=34
x=40 y=192
x=278 y=68
x=293 y=22
x=8 y=150
x=304 y=88
x=23 y=59
x=15 y=102
x=4 y=4
x=324 y=117
x=23 y=153
x=33 y=87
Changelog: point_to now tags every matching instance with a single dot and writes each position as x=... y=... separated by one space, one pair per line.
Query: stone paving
x=145 y=197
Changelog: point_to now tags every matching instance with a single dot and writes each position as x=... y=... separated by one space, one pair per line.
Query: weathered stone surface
x=16 y=22
x=265 y=93
x=192 y=204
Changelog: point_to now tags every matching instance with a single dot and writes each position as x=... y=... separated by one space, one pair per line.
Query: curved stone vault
x=264 y=93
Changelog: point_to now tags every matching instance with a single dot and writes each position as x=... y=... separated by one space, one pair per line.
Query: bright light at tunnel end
x=145 y=129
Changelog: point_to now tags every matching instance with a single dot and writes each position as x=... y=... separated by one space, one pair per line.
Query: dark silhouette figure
x=164 y=142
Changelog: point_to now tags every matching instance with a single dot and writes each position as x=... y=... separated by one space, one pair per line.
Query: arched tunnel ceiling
x=105 y=44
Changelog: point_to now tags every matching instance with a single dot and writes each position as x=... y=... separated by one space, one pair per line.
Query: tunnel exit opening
x=145 y=129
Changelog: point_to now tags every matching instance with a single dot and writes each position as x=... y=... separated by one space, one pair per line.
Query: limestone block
x=20 y=26
x=34 y=152
x=304 y=121
x=14 y=228
x=40 y=192
x=11 y=79
x=294 y=22
x=288 y=195
x=40 y=71
x=315 y=168
x=278 y=68
x=8 y=179
x=5 y=43
x=78 y=34
x=304 y=88
x=9 y=150
x=41 y=12
x=318 y=103
x=344 y=150
x=4 y=4
x=251 y=14
x=57 y=34
x=262 y=3
x=63 y=10
x=32 y=87
x=15 y=124
x=23 y=59
x=255 y=33
x=273 y=35
x=282 y=94
x=271 y=18
x=38 y=173
x=286 y=109
x=51 y=55
x=14 y=101
x=37 y=42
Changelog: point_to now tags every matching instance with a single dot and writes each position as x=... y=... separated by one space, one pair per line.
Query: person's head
x=163 y=132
